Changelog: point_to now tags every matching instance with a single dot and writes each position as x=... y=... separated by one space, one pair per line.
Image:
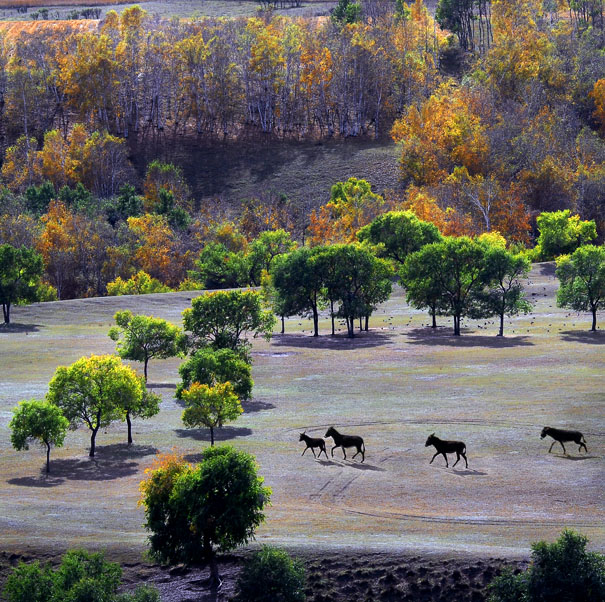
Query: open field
x=184 y=9
x=394 y=386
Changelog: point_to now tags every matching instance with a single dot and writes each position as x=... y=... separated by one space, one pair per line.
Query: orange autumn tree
x=597 y=95
x=158 y=250
x=352 y=205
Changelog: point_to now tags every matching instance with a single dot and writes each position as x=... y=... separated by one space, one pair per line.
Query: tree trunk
x=501 y=331
x=351 y=327
x=594 y=318
x=129 y=423
x=360 y=323
x=332 y=315
x=315 y=322
x=283 y=325
x=93 y=438
x=47 y=457
x=145 y=368
x=212 y=436
x=6 y=311
x=456 y=325
x=434 y=317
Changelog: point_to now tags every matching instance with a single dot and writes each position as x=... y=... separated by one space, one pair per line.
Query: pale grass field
x=393 y=386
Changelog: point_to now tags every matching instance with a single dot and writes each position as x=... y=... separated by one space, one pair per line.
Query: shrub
x=271 y=575
x=81 y=577
x=563 y=570
x=139 y=284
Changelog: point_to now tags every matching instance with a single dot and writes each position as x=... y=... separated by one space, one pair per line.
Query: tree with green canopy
x=269 y=575
x=264 y=249
x=562 y=233
x=399 y=233
x=582 y=278
x=98 y=390
x=191 y=511
x=448 y=274
x=209 y=366
x=504 y=293
x=210 y=406
x=142 y=338
x=20 y=272
x=346 y=12
x=220 y=267
x=298 y=283
x=562 y=570
x=39 y=421
x=223 y=319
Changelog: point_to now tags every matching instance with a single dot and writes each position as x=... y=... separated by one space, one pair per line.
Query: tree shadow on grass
x=225 y=433
x=13 y=327
x=256 y=405
x=43 y=481
x=547 y=268
x=117 y=451
x=161 y=385
x=584 y=336
x=338 y=342
x=427 y=336
x=93 y=469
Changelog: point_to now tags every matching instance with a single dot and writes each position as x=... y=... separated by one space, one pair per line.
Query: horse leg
x=334 y=449
x=344 y=452
x=561 y=442
x=550 y=448
x=323 y=449
x=465 y=460
x=445 y=456
x=582 y=445
x=457 y=459
x=313 y=450
x=436 y=454
x=306 y=448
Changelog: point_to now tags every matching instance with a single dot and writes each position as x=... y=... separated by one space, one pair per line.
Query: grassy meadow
x=394 y=386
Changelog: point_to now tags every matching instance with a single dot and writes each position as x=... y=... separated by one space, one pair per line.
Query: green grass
x=393 y=386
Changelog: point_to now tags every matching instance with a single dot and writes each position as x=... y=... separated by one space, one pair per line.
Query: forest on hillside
x=497 y=108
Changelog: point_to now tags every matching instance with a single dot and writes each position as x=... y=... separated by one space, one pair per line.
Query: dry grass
x=393 y=386
x=14 y=29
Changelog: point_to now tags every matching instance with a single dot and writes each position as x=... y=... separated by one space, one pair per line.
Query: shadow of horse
x=574 y=458
x=467 y=472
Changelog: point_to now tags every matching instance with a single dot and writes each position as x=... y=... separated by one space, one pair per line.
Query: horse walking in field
x=345 y=441
x=447 y=447
x=561 y=435
x=313 y=442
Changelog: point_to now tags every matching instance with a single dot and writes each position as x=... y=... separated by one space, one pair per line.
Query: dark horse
x=346 y=441
x=447 y=447
x=313 y=442
x=561 y=435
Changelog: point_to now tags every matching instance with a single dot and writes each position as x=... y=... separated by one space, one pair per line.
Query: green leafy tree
x=191 y=511
x=447 y=274
x=399 y=233
x=563 y=570
x=39 y=421
x=298 y=284
x=219 y=267
x=582 y=277
x=95 y=391
x=210 y=406
x=562 y=233
x=504 y=295
x=210 y=366
x=20 y=271
x=140 y=283
x=38 y=197
x=265 y=249
x=271 y=575
x=346 y=12
x=81 y=577
x=142 y=338
x=223 y=319
x=359 y=281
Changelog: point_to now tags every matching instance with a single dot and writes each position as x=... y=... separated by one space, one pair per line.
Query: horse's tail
x=363 y=445
x=582 y=438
